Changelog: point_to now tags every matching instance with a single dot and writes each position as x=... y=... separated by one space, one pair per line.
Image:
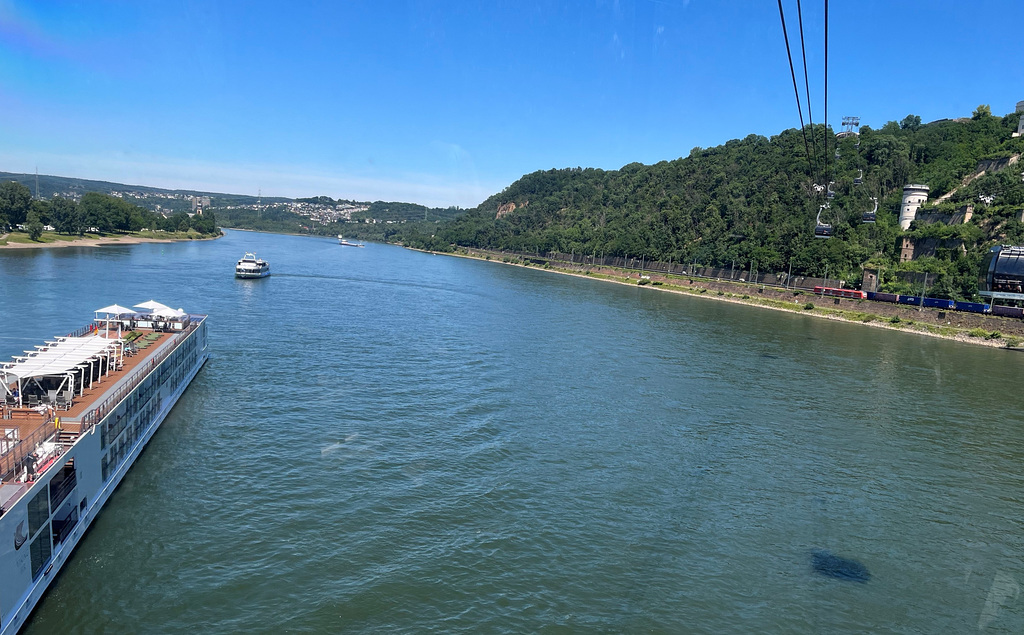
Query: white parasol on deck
x=169 y=313
x=116 y=310
x=153 y=306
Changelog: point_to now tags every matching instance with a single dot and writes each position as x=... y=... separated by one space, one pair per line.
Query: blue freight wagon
x=972 y=307
x=937 y=303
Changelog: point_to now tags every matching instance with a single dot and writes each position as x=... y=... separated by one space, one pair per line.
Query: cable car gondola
x=869 y=217
x=857 y=180
x=828 y=192
x=822 y=230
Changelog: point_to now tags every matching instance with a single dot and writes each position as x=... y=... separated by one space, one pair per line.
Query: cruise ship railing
x=96 y=415
x=82 y=332
x=13 y=460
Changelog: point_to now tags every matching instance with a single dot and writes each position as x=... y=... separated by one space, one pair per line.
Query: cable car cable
x=826 y=91
x=796 y=90
x=807 y=84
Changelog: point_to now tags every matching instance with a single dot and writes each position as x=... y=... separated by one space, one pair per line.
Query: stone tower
x=914 y=195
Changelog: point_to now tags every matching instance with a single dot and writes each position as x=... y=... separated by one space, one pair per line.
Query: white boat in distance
x=345 y=243
x=252 y=267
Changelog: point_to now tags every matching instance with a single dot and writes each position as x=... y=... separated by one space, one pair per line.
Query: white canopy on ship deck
x=61 y=358
x=153 y=306
x=114 y=309
x=169 y=313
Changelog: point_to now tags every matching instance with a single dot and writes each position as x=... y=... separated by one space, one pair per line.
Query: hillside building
x=914 y=195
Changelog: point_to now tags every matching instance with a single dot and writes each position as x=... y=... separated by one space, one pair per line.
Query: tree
x=911 y=122
x=33 y=225
x=94 y=208
x=42 y=209
x=64 y=215
x=983 y=110
x=15 y=200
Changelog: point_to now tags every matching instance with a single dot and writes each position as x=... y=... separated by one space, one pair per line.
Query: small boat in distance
x=252 y=267
x=345 y=243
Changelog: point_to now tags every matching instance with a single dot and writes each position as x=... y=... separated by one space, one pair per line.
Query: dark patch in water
x=827 y=563
x=769 y=356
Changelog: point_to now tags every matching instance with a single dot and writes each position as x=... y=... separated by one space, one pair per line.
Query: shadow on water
x=828 y=564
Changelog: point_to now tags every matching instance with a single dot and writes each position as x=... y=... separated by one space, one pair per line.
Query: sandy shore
x=97 y=242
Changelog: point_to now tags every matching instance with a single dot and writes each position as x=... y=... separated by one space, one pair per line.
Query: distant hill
x=752 y=203
x=317 y=215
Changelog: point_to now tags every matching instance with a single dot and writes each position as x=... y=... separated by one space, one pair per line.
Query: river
x=391 y=441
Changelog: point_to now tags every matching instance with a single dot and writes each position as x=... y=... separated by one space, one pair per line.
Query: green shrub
x=657 y=283
x=746 y=297
x=979 y=332
x=994 y=335
x=721 y=293
x=643 y=281
x=809 y=306
x=895 y=319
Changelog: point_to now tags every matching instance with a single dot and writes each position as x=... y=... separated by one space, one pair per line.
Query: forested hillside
x=754 y=200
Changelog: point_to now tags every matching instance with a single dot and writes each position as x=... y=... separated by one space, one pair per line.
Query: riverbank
x=982 y=330
x=93 y=240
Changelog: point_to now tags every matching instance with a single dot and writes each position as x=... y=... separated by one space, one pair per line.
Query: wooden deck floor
x=27 y=420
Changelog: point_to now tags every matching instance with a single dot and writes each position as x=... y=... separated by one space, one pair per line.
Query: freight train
x=916 y=300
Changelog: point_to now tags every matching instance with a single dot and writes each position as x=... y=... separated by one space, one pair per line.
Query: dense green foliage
x=15 y=200
x=95 y=212
x=753 y=202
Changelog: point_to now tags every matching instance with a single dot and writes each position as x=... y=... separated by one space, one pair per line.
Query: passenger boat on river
x=249 y=266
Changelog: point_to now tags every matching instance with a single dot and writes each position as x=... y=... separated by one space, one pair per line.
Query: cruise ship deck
x=34 y=422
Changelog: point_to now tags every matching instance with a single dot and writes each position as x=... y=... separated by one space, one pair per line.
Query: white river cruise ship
x=76 y=412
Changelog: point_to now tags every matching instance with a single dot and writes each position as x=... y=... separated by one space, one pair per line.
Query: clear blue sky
x=448 y=102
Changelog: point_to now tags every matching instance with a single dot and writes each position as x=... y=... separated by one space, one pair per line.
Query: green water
x=386 y=441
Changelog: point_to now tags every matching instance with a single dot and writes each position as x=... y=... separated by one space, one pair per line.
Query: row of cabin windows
x=114 y=427
x=146 y=391
x=113 y=432
x=120 y=447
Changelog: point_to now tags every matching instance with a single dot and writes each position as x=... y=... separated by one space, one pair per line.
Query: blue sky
x=445 y=103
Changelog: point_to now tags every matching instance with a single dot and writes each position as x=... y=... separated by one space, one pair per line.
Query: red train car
x=852 y=294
